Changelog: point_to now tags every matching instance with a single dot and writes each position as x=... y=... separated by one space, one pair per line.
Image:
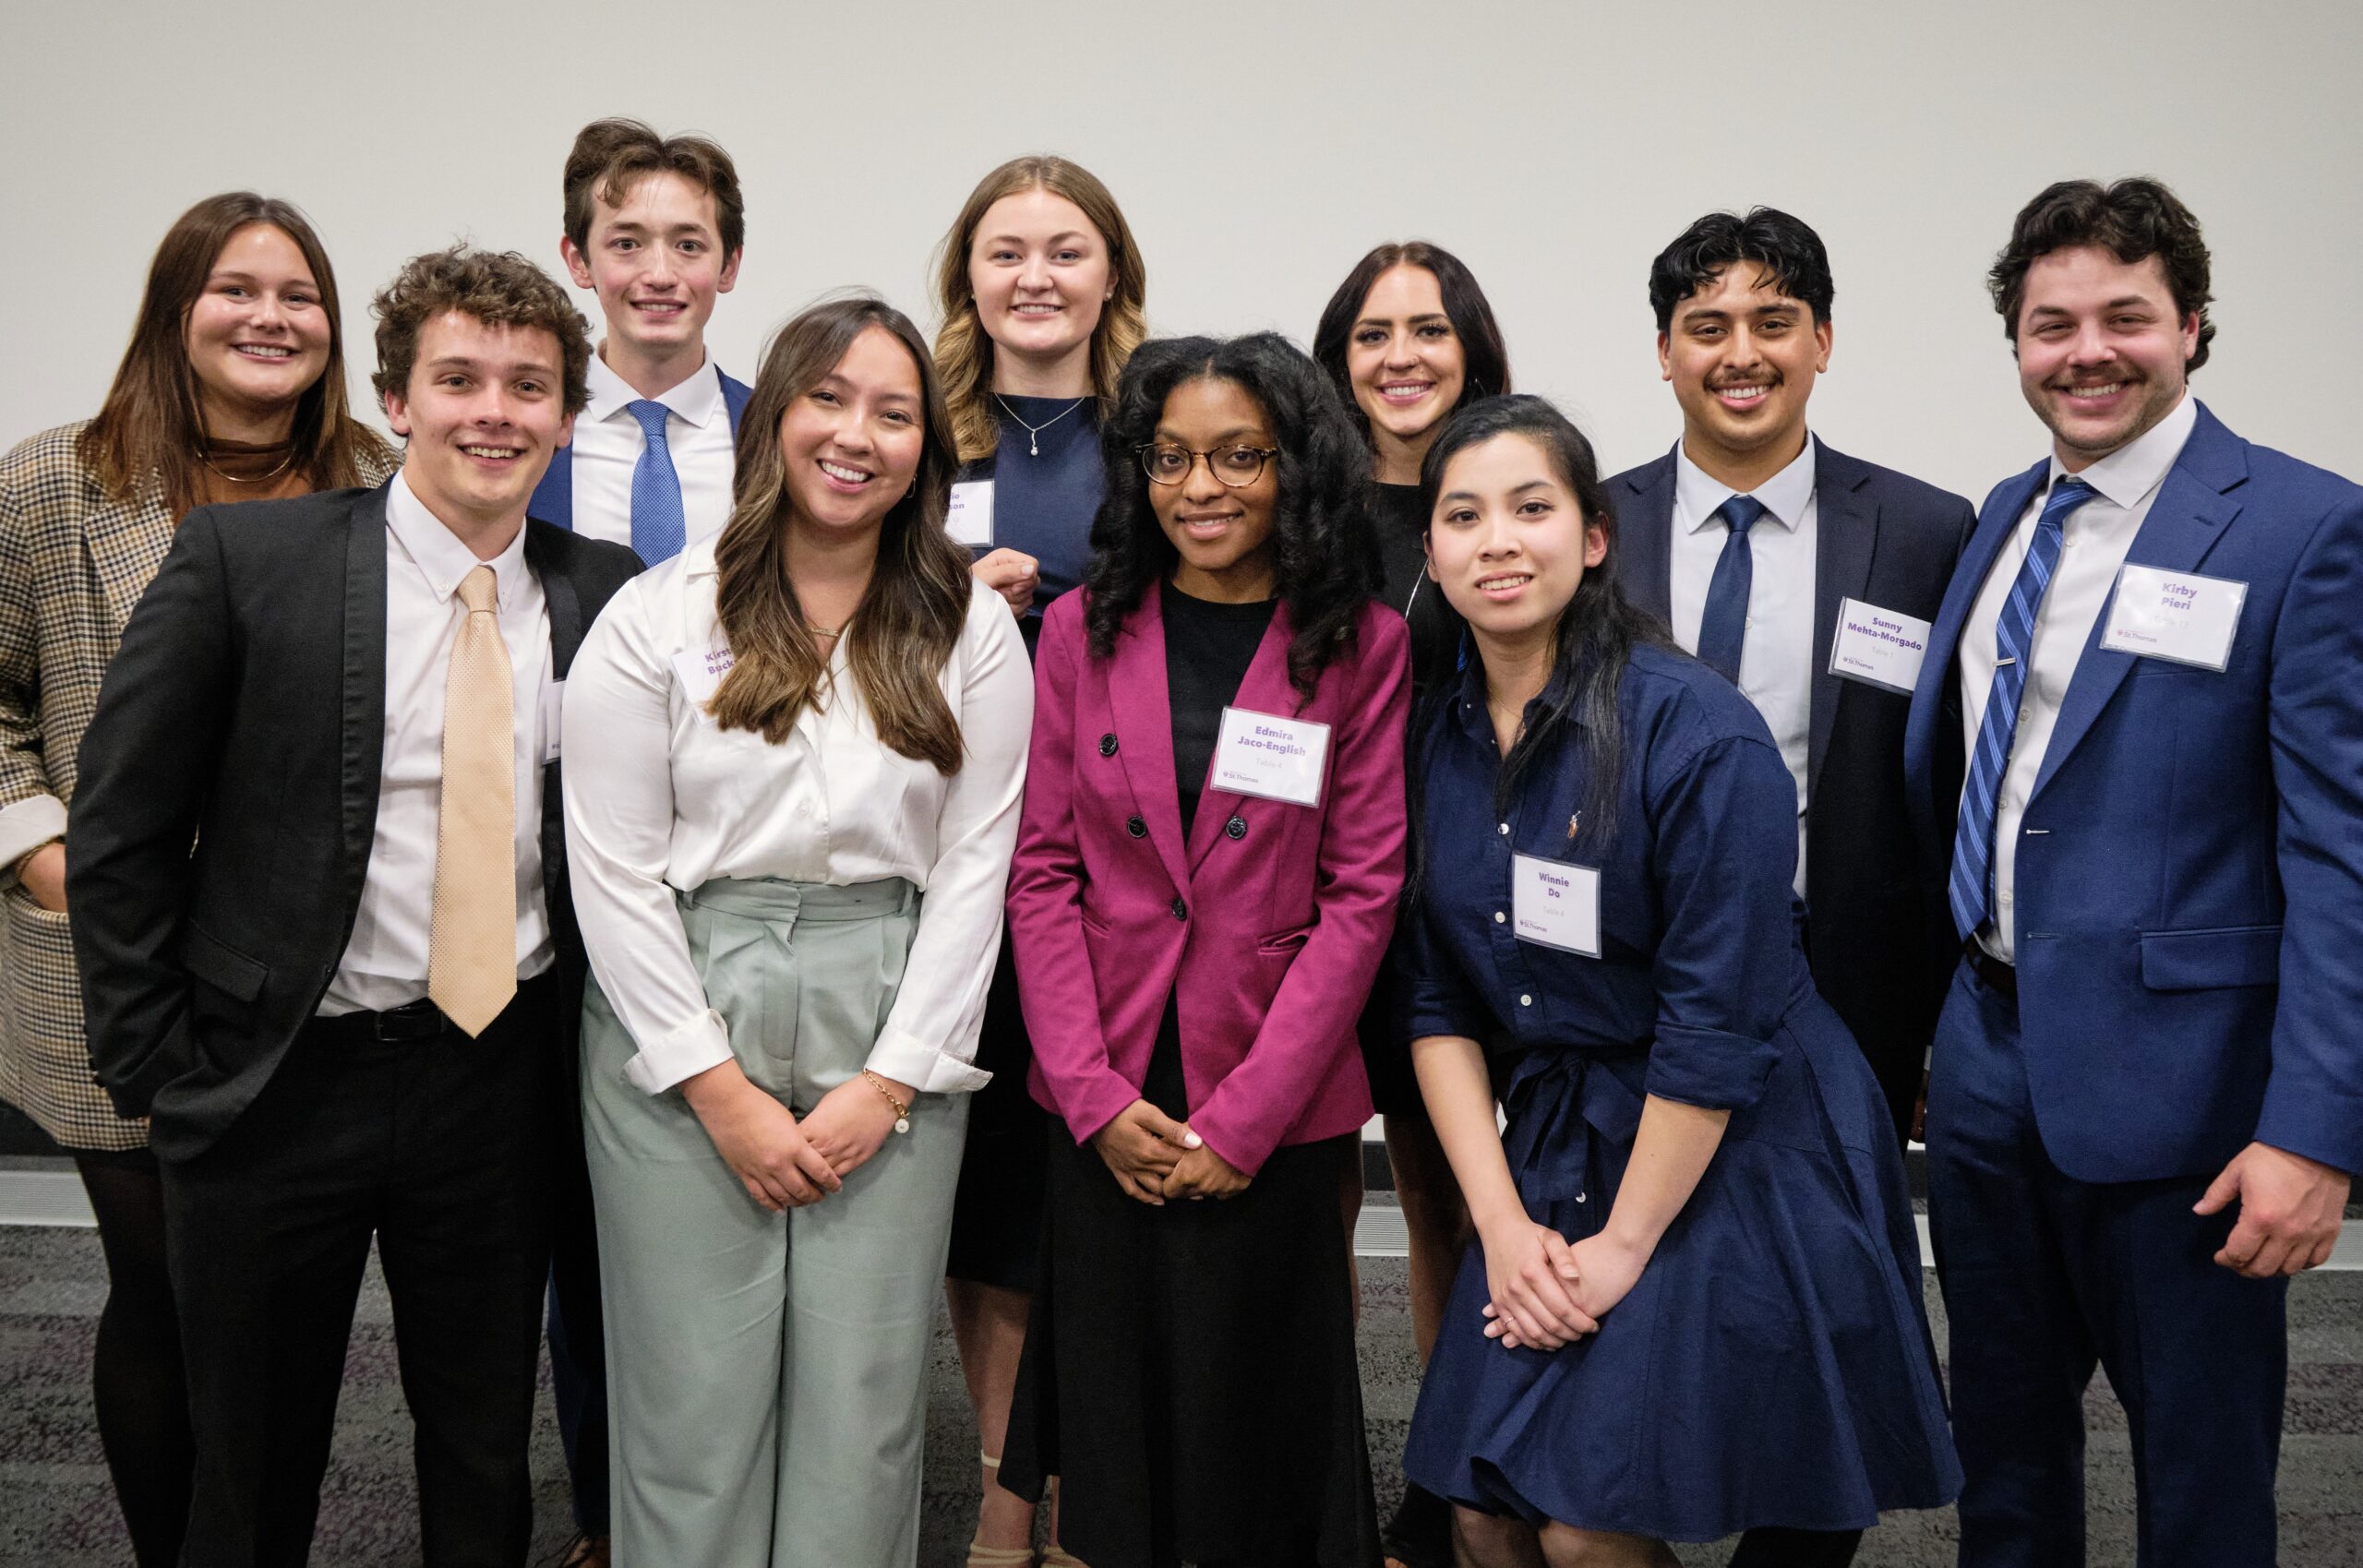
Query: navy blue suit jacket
x=1876 y=931
x=553 y=499
x=2190 y=874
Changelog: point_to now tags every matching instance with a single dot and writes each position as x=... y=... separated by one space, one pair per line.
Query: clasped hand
x=1546 y=1292
x=782 y=1163
x=1153 y=1157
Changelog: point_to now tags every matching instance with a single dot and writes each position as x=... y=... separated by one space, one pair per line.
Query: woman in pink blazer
x=1205 y=880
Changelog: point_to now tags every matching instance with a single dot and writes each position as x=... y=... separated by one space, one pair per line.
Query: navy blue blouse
x=1044 y=504
x=1700 y=956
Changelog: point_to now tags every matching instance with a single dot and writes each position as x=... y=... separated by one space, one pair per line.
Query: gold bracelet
x=902 y=1111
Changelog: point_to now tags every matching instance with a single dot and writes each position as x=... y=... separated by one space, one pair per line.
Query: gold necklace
x=258 y=479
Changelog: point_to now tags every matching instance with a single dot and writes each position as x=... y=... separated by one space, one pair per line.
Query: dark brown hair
x=2134 y=218
x=610 y=156
x=150 y=430
x=1484 y=357
x=497 y=288
x=910 y=616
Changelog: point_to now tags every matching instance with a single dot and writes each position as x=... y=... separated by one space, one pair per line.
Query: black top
x=1044 y=504
x=1403 y=559
x=1208 y=650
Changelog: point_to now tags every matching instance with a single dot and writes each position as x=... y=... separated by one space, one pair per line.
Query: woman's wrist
x=715 y=1087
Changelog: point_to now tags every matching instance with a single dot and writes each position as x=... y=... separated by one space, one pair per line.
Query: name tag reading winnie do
x=1554 y=904
x=969 y=519
x=701 y=670
x=2174 y=615
x=1271 y=758
x=1877 y=647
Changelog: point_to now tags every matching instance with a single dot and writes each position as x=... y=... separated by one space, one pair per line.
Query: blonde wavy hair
x=963 y=353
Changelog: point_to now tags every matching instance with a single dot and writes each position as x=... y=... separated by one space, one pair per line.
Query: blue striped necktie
x=1722 y=625
x=1971 y=887
x=657 y=528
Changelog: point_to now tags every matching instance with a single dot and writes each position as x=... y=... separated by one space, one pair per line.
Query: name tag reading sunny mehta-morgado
x=969 y=519
x=2174 y=615
x=1554 y=904
x=1877 y=647
x=1270 y=756
x=701 y=670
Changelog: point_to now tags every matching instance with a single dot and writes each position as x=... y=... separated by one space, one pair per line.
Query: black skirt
x=1190 y=1374
x=997 y=1207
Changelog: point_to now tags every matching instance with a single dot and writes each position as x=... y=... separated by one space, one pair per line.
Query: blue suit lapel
x=1645 y=542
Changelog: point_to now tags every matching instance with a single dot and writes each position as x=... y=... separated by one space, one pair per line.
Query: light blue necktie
x=657 y=528
x=1722 y=626
x=1972 y=887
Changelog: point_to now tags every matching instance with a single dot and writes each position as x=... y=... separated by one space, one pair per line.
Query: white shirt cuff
x=680 y=1052
x=908 y=1059
x=24 y=826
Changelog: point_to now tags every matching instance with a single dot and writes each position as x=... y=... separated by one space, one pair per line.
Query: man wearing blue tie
x=654 y=226
x=2135 y=759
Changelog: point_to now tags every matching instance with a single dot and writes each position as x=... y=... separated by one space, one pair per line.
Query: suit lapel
x=1994 y=529
x=1645 y=537
x=127 y=543
x=365 y=686
x=559 y=593
x=1845 y=537
x=1141 y=708
x=1265 y=689
x=553 y=499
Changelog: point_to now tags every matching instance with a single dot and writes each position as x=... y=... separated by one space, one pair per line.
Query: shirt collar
x=437 y=551
x=696 y=398
x=1785 y=495
x=2137 y=467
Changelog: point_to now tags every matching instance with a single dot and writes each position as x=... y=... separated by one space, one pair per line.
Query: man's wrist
x=17 y=866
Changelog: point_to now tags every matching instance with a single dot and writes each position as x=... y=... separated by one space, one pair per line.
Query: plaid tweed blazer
x=73 y=563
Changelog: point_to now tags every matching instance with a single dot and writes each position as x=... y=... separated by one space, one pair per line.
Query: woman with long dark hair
x=233 y=390
x=795 y=755
x=1692 y=1305
x=1205 y=881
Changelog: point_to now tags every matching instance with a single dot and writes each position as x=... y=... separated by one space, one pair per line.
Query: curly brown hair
x=497 y=288
x=609 y=157
x=2134 y=218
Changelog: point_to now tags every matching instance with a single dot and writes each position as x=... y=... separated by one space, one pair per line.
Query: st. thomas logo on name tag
x=2174 y=615
x=1877 y=647
x=969 y=518
x=701 y=671
x=1270 y=756
x=1554 y=904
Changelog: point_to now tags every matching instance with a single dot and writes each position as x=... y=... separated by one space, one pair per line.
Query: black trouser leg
x=137 y=1381
x=1773 y=1546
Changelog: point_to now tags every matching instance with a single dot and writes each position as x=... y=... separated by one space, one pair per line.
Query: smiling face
x=2102 y=350
x=656 y=264
x=1403 y=359
x=851 y=446
x=1040 y=274
x=484 y=411
x=257 y=337
x=1223 y=534
x=1509 y=544
x=1743 y=356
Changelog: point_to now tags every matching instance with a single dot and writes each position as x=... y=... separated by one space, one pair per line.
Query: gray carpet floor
x=56 y=1510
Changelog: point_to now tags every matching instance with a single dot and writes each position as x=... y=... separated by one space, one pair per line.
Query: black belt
x=420 y=1019
x=1999 y=976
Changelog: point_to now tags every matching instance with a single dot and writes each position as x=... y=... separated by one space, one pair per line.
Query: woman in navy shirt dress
x=1694 y=1306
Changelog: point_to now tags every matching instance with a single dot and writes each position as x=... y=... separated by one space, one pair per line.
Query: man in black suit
x=345 y=1009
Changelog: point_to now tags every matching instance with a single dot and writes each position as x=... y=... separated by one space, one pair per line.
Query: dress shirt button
x=1499 y=917
x=1181 y=910
x=1525 y=1001
x=1236 y=827
x=1107 y=746
x=1136 y=827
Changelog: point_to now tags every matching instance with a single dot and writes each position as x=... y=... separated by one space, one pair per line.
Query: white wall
x=1258 y=150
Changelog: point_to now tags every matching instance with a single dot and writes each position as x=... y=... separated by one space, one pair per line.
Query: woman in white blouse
x=793 y=757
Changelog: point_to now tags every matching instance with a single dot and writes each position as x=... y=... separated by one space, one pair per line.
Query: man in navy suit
x=654 y=226
x=1816 y=608
x=2136 y=756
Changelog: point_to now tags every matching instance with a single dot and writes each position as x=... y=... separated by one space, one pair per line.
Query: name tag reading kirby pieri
x=969 y=518
x=1269 y=756
x=1555 y=904
x=701 y=670
x=1877 y=647
x=2174 y=615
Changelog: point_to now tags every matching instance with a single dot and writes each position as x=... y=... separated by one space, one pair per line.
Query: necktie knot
x=1740 y=512
x=651 y=414
x=2065 y=497
x=480 y=591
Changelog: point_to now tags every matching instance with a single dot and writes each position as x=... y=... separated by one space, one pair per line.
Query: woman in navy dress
x=1693 y=1307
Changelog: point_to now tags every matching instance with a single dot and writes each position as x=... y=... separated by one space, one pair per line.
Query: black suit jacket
x=245 y=711
x=1877 y=932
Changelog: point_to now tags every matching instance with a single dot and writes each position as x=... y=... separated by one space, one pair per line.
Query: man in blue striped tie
x=2135 y=758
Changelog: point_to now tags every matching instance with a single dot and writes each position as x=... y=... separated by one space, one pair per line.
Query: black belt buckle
x=420 y=1019
x=1998 y=977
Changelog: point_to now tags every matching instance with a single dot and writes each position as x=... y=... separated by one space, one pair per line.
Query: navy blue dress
x=1773 y=1366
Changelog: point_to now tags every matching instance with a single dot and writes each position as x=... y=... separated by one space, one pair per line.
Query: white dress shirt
x=607 y=442
x=385 y=964
x=659 y=797
x=2093 y=542
x=1776 y=652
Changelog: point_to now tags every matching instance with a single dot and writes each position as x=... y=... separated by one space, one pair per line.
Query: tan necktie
x=472 y=954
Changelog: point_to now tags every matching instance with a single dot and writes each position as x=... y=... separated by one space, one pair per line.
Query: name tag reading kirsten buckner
x=1269 y=756
x=701 y=670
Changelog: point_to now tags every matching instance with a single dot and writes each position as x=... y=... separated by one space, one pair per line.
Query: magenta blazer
x=1267 y=925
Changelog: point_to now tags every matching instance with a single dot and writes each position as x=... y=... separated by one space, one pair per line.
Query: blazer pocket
x=221 y=966
x=1285 y=941
x=2210 y=959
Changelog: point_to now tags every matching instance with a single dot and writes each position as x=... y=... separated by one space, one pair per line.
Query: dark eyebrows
x=1513 y=490
x=515 y=367
x=1420 y=320
x=1236 y=432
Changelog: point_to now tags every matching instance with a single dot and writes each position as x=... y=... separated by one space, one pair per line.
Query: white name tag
x=701 y=670
x=1269 y=756
x=2168 y=614
x=1877 y=647
x=1555 y=905
x=552 y=718
x=969 y=519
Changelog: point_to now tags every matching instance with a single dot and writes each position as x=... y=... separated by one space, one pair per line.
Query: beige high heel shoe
x=983 y=1556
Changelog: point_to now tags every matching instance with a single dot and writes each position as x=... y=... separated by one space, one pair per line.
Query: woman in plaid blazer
x=232 y=388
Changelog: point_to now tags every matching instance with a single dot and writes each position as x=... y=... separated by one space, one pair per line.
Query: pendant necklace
x=1034 y=432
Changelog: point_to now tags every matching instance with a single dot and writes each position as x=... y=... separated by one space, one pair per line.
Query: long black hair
x=1597 y=632
x=1484 y=358
x=1326 y=564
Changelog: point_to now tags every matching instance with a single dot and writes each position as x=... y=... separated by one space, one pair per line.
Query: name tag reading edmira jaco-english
x=1270 y=756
